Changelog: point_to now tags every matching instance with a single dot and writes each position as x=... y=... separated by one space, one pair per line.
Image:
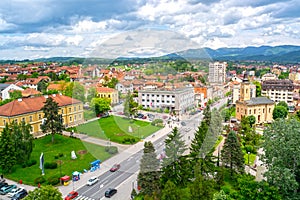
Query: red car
x=115 y=167
x=71 y=195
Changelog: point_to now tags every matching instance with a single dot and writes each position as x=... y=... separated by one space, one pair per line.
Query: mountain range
x=279 y=54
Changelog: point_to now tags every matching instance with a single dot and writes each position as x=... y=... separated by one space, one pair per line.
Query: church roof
x=259 y=101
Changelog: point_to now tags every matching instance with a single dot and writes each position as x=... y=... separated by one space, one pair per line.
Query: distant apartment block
x=278 y=90
x=178 y=100
x=217 y=72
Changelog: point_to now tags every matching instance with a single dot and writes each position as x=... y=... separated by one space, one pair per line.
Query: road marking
x=102 y=185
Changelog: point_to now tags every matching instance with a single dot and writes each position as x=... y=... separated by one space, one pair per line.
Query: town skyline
x=55 y=28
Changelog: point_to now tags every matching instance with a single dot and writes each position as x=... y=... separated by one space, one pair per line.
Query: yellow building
x=110 y=93
x=29 y=110
x=260 y=107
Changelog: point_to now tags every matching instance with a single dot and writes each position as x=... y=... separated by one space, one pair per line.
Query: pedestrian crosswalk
x=80 y=197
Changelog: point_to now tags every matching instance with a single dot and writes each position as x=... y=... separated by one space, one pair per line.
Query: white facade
x=179 y=100
x=124 y=88
x=236 y=92
x=217 y=72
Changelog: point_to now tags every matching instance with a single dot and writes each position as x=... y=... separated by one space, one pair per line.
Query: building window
x=249 y=112
x=4 y=122
x=75 y=118
x=70 y=109
x=269 y=110
x=23 y=119
x=263 y=110
x=79 y=116
x=30 y=118
x=254 y=111
x=62 y=111
x=16 y=120
x=70 y=118
x=74 y=108
x=79 y=107
x=40 y=116
x=237 y=110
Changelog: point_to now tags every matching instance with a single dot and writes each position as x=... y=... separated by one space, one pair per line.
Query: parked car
x=92 y=181
x=115 y=167
x=20 y=195
x=144 y=117
x=3 y=184
x=71 y=195
x=15 y=191
x=140 y=115
x=110 y=192
x=7 y=189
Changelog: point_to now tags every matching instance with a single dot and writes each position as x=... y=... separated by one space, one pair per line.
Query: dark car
x=3 y=184
x=115 y=167
x=71 y=195
x=110 y=192
x=20 y=195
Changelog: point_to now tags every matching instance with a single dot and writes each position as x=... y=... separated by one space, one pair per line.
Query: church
x=260 y=107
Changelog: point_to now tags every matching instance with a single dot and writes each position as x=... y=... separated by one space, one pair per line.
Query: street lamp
x=248 y=158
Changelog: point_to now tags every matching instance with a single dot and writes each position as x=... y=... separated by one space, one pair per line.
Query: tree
x=53 y=121
x=100 y=105
x=112 y=83
x=170 y=191
x=91 y=94
x=44 y=192
x=148 y=177
x=15 y=94
x=284 y=104
x=280 y=112
x=7 y=150
x=251 y=120
x=42 y=86
x=130 y=106
x=172 y=163
x=232 y=155
x=220 y=196
x=258 y=88
x=75 y=90
x=282 y=156
x=23 y=141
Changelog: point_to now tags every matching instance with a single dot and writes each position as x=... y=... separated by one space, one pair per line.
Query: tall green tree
x=258 y=88
x=53 y=120
x=42 y=86
x=75 y=90
x=148 y=177
x=232 y=155
x=23 y=140
x=130 y=106
x=172 y=163
x=284 y=104
x=100 y=105
x=91 y=94
x=280 y=112
x=170 y=191
x=7 y=150
x=48 y=192
x=282 y=156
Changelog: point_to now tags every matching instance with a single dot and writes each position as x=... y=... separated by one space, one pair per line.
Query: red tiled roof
x=105 y=90
x=30 y=92
x=34 y=104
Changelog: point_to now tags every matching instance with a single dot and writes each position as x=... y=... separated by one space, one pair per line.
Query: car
x=110 y=192
x=183 y=123
x=20 y=195
x=7 y=189
x=3 y=184
x=115 y=167
x=144 y=117
x=92 y=181
x=15 y=191
x=71 y=195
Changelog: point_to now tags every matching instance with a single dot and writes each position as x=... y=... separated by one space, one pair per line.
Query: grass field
x=116 y=129
x=86 y=153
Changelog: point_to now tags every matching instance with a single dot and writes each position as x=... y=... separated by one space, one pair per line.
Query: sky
x=32 y=29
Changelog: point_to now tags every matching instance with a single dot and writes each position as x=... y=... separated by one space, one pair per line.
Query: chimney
x=20 y=100
x=46 y=96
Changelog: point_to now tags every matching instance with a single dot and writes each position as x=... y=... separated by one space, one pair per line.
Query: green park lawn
x=85 y=152
x=116 y=129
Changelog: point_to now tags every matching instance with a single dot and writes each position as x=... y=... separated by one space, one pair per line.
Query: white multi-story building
x=178 y=100
x=278 y=90
x=217 y=72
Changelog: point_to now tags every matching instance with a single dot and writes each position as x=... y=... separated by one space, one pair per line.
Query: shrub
x=60 y=154
x=40 y=180
x=249 y=148
x=111 y=150
x=52 y=165
x=30 y=163
x=157 y=121
x=53 y=180
x=56 y=157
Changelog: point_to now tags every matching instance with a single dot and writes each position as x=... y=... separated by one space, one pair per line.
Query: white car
x=15 y=191
x=92 y=181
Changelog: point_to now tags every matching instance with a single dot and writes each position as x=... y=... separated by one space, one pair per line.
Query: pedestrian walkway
x=80 y=197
